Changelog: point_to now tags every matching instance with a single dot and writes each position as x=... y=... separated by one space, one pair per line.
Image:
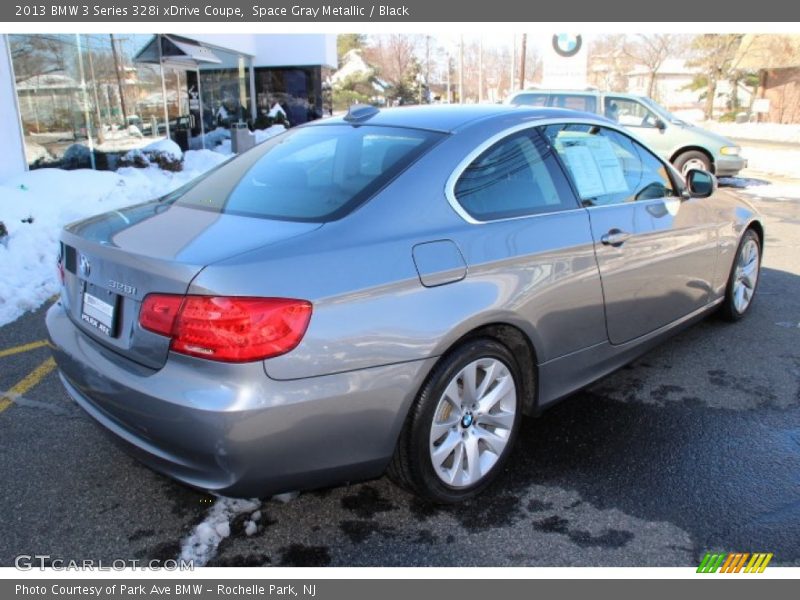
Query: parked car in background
x=392 y=289
x=685 y=145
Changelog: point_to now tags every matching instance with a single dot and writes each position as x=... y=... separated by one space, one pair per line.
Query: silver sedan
x=388 y=291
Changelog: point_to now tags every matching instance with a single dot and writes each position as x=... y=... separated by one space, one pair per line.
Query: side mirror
x=660 y=125
x=701 y=183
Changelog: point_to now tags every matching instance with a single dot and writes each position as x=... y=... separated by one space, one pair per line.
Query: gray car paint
x=394 y=285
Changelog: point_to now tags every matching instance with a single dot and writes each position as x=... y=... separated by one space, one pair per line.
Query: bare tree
x=651 y=50
x=392 y=55
x=714 y=54
x=34 y=55
x=609 y=64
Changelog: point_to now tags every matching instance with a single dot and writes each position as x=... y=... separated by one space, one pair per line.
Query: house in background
x=99 y=93
x=673 y=86
x=776 y=58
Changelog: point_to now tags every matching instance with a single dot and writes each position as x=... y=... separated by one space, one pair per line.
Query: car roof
x=452 y=117
x=576 y=92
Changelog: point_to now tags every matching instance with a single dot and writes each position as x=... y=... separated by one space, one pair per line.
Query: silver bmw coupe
x=388 y=291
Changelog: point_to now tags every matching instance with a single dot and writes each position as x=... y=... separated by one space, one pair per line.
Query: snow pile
x=264 y=134
x=775 y=161
x=202 y=543
x=34 y=152
x=251 y=526
x=760 y=189
x=166 y=148
x=53 y=198
x=787 y=133
x=286 y=497
x=212 y=138
x=276 y=110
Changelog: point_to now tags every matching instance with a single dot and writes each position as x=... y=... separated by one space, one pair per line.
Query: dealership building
x=72 y=98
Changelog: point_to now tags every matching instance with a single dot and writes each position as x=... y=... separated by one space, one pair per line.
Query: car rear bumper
x=231 y=429
x=729 y=166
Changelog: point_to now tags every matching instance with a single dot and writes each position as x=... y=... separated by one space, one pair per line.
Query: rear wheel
x=743 y=279
x=693 y=159
x=462 y=425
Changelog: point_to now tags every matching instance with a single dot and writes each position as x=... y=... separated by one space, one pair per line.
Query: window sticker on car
x=594 y=165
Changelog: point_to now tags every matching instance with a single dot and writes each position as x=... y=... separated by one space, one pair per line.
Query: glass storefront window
x=225 y=90
x=86 y=99
x=83 y=101
x=297 y=89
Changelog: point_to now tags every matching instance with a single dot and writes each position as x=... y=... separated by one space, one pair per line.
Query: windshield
x=660 y=110
x=311 y=174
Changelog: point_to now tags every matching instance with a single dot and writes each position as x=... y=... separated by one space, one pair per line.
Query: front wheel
x=743 y=279
x=693 y=159
x=462 y=425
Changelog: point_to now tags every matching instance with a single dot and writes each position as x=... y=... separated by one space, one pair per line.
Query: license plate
x=98 y=313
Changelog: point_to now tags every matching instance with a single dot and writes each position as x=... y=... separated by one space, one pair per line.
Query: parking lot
x=692 y=448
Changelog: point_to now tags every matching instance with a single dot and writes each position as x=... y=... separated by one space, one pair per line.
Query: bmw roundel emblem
x=85 y=266
x=567 y=45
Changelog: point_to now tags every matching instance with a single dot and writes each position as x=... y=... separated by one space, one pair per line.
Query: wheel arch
x=701 y=149
x=520 y=345
x=758 y=227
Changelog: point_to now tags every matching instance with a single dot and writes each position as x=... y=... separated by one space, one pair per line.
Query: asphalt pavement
x=694 y=447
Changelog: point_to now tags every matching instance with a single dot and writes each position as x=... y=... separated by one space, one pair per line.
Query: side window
x=530 y=99
x=517 y=176
x=608 y=167
x=584 y=102
x=629 y=113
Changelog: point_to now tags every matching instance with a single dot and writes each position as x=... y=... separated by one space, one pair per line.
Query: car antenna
x=360 y=112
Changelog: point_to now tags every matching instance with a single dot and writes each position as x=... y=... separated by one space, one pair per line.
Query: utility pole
x=522 y=61
x=449 y=93
x=99 y=127
x=119 y=80
x=513 y=61
x=461 y=70
x=480 y=69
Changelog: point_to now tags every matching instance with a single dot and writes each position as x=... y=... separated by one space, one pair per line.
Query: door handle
x=615 y=237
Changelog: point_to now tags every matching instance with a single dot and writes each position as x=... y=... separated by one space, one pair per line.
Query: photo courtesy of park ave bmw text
x=397 y=285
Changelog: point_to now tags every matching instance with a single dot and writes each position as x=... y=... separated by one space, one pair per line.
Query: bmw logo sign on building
x=564 y=62
x=566 y=44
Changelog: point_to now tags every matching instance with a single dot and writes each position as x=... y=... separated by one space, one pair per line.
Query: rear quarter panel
x=370 y=307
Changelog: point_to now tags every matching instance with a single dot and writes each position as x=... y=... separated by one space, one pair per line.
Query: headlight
x=730 y=150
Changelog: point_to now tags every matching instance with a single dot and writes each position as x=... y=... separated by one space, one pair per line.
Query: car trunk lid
x=112 y=261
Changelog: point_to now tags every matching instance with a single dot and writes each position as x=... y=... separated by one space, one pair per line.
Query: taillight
x=60 y=264
x=228 y=329
x=158 y=313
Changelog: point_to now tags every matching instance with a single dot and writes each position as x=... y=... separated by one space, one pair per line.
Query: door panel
x=656 y=252
x=660 y=273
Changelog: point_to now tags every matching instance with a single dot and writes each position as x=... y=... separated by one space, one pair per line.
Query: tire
x=743 y=279
x=453 y=446
x=692 y=159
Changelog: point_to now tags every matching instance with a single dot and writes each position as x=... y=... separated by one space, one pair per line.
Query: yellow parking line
x=30 y=380
x=22 y=348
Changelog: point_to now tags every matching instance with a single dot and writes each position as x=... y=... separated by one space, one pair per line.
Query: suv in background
x=685 y=145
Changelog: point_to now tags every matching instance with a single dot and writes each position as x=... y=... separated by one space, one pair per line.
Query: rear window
x=314 y=174
x=530 y=99
x=575 y=102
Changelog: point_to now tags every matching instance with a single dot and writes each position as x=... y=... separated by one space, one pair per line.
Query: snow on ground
x=202 y=543
x=165 y=146
x=53 y=198
x=760 y=189
x=211 y=139
x=265 y=134
x=783 y=162
x=763 y=165
x=785 y=133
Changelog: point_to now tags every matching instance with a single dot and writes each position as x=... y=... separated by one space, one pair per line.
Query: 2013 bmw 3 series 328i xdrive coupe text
x=388 y=291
